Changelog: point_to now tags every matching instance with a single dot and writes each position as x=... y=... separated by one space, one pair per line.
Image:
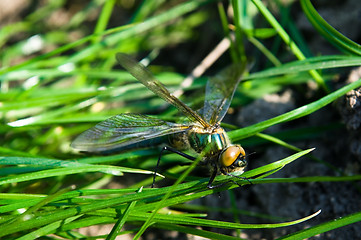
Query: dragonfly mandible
x=125 y=131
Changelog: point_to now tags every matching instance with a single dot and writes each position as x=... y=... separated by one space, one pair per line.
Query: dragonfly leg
x=173 y=150
x=243 y=178
x=214 y=173
x=211 y=179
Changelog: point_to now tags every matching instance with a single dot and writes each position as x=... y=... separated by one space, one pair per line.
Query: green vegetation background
x=59 y=77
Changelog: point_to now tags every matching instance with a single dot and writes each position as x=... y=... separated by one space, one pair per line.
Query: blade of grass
x=324 y=227
x=294 y=114
x=103 y=19
x=287 y=39
x=198 y=188
x=122 y=32
x=268 y=54
x=146 y=8
x=277 y=164
x=58 y=50
x=332 y=35
x=294 y=148
x=224 y=21
x=148 y=222
x=36 y=207
x=308 y=179
x=237 y=7
x=48 y=229
x=144 y=26
x=121 y=221
x=186 y=220
x=114 y=170
x=195 y=232
x=175 y=219
x=322 y=62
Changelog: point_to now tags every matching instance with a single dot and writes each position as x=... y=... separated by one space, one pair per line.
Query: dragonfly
x=201 y=134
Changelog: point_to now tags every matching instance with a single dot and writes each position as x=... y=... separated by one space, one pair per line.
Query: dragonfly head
x=233 y=157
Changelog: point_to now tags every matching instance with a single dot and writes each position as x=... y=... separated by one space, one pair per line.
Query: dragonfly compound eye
x=233 y=155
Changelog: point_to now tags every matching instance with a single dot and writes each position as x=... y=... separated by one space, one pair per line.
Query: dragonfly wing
x=219 y=92
x=143 y=75
x=123 y=130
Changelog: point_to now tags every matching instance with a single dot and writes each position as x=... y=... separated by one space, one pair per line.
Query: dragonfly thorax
x=198 y=139
x=211 y=140
x=220 y=152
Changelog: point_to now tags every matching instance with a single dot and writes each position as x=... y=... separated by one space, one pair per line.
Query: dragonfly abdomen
x=179 y=141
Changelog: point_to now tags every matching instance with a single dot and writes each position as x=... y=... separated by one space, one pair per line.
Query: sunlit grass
x=58 y=82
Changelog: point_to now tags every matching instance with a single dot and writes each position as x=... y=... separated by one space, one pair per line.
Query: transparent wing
x=123 y=130
x=219 y=92
x=147 y=79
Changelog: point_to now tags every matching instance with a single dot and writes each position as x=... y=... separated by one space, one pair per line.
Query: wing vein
x=143 y=75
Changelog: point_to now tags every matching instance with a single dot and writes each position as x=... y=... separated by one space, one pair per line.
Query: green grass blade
x=316 y=63
x=51 y=93
x=68 y=167
x=121 y=221
x=294 y=114
x=48 y=229
x=113 y=39
x=276 y=165
x=289 y=42
x=331 y=34
x=36 y=207
x=149 y=220
x=176 y=219
x=199 y=188
x=58 y=50
x=324 y=227
x=195 y=232
x=104 y=18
